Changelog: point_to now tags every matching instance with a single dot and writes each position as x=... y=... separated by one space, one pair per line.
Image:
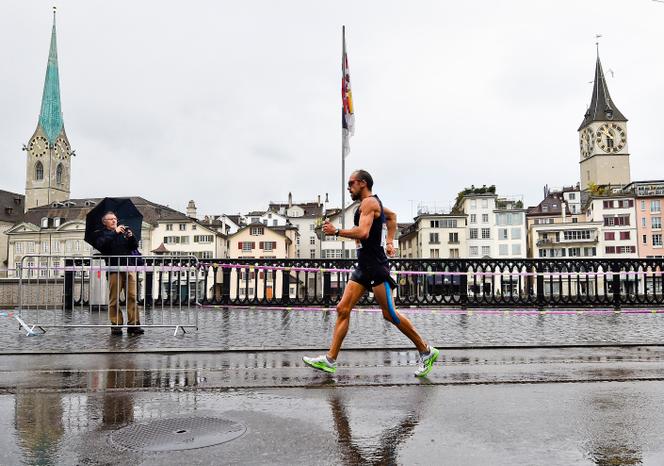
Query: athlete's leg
x=352 y=295
x=390 y=314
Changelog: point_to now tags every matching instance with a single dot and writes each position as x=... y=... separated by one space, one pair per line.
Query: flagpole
x=343 y=158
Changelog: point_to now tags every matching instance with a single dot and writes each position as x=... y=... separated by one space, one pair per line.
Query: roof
x=11 y=207
x=550 y=205
x=77 y=209
x=161 y=249
x=311 y=209
x=601 y=107
x=50 y=117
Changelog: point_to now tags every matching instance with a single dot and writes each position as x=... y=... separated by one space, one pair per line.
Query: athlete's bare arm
x=391 y=221
x=369 y=210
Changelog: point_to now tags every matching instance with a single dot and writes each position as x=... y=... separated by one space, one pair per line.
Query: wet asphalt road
x=80 y=396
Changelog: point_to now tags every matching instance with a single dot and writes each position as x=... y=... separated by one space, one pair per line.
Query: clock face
x=38 y=146
x=610 y=137
x=61 y=148
x=586 y=141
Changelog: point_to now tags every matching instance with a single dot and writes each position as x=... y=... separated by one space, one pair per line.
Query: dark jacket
x=110 y=243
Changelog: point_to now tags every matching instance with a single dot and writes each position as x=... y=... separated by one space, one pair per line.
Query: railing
x=439 y=282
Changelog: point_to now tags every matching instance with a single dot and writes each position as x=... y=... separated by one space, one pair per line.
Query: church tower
x=603 y=139
x=48 y=151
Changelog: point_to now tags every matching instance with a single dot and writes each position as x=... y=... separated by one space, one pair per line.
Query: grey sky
x=234 y=104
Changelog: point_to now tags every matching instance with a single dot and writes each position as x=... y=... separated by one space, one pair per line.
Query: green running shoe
x=426 y=362
x=321 y=363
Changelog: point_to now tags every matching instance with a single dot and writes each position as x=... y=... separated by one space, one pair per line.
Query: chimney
x=327 y=198
x=319 y=200
x=290 y=199
x=563 y=206
x=191 y=209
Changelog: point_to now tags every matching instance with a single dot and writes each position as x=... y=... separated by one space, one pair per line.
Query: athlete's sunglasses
x=350 y=183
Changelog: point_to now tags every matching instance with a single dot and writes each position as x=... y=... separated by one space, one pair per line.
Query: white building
x=617 y=215
x=11 y=213
x=305 y=216
x=434 y=236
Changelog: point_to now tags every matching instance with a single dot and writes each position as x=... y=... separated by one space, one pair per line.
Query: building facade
x=648 y=201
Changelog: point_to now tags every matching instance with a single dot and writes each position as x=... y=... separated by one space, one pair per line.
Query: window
x=473 y=218
x=433 y=238
x=265 y=221
x=312 y=227
x=486 y=233
x=573 y=235
x=574 y=252
x=255 y=220
x=454 y=238
x=18 y=247
x=516 y=233
x=44 y=222
x=645 y=239
x=473 y=233
x=203 y=238
x=256 y=231
x=434 y=224
x=275 y=222
x=183 y=227
x=169 y=227
x=625 y=249
x=312 y=254
x=473 y=251
x=193 y=226
x=449 y=223
x=610 y=249
x=171 y=240
x=56 y=246
x=39 y=171
x=434 y=253
x=206 y=255
x=454 y=253
x=575 y=220
x=655 y=205
x=485 y=218
x=643 y=205
x=503 y=249
x=30 y=246
x=609 y=235
x=656 y=222
x=589 y=252
x=607 y=204
x=267 y=245
x=624 y=235
x=246 y=246
x=618 y=220
x=644 y=222
x=58 y=174
x=542 y=252
x=473 y=205
x=516 y=249
x=485 y=203
x=486 y=250
x=503 y=234
x=572 y=196
x=312 y=240
x=184 y=239
x=657 y=239
x=44 y=247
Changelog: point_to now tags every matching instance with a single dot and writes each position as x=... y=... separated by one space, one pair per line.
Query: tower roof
x=601 y=107
x=50 y=117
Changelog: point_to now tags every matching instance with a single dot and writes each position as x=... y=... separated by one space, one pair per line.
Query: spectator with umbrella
x=113 y=227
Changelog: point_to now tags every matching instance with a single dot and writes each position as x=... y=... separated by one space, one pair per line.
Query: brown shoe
x=135 y=330
x=116 y=330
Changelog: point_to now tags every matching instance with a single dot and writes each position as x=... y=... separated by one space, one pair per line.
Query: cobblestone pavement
x=268 y=328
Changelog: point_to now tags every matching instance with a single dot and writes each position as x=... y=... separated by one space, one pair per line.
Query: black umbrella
x=127 y=213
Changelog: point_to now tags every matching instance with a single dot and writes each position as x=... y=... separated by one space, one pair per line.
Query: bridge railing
x=439 y=282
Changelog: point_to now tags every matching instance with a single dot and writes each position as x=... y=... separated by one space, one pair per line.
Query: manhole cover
x=177 y=434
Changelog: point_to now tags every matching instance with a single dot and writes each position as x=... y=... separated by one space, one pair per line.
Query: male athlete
x=372 y=273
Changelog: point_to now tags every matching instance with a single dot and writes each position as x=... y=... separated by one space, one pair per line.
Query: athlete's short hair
x=364 y=175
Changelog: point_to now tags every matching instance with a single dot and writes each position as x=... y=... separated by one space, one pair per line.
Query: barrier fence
x=74 y=291
x=66 y=291
x=440 y=282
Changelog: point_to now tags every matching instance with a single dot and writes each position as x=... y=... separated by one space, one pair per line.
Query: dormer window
x=44 y=222
x=56 y=222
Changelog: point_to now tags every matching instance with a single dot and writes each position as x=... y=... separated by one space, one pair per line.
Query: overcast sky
x=234 y=104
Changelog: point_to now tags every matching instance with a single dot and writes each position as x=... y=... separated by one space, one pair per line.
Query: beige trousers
x=119 y=281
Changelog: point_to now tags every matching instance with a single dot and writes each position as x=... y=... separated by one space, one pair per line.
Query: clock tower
x=603 y=139
x=48 y=151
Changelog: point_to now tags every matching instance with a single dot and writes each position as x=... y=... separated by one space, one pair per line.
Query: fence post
x=615 y=285
x=69 y=284
x=327 y=288
x=285 y=285
x=463 y=283
x=539 y=280
x=225 y=284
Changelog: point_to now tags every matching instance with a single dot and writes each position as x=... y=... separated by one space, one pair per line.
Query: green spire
x=50 y=117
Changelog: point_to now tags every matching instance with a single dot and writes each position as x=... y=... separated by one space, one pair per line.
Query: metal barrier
x=440 y=282
x=68 y=291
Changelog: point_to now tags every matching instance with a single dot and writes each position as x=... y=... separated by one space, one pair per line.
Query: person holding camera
x=119 y=240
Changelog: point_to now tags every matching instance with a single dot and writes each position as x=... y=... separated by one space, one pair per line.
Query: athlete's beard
x=354 y=197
